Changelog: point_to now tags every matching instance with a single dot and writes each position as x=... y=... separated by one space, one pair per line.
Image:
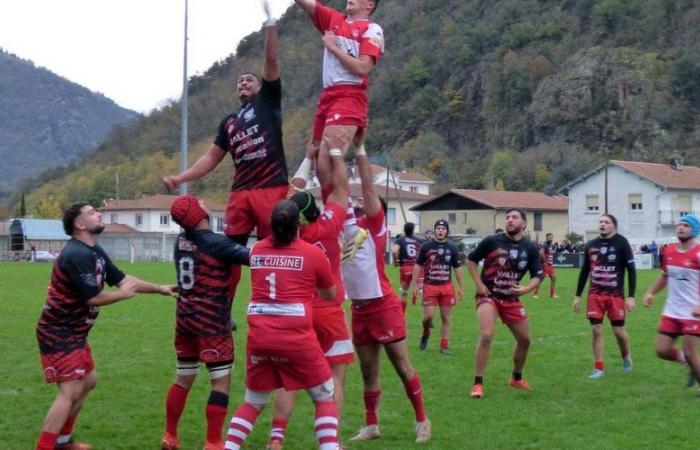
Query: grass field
x=131 y=343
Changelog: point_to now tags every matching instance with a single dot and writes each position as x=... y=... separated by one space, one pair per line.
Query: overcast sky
x=129 y=50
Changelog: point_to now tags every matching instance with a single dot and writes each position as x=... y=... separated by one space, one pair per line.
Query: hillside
x=518 y=94
x=47 y=121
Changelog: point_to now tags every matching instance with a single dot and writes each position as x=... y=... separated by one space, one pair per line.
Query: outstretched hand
x=268 y=13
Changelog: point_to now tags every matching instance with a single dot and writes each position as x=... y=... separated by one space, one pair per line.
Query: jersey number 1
x=272 y=279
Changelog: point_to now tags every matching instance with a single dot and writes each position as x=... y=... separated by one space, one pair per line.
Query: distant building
x=646 y=198
x=395 y=198
x=18 y=236
x=480 y=212
x=400 y=179
x=151 y=214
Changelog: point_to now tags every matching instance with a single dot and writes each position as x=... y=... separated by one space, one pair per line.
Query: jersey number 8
x=186 y=273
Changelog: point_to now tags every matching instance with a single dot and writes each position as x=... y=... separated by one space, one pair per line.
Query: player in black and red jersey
x=507 y=257
x=253 y=137
x=606 y=260
x=72 y=305
x=405 y=251
x=203 y=262
x=435 y=262
x=547 y=251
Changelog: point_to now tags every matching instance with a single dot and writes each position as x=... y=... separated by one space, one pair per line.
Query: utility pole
x=183 y=110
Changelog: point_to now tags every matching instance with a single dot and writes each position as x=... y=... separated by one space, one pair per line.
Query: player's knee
x=257 y=399
x=523 y=341
x=485 y=338
x=90 y=384
x=323 y=392
x=597 y=329
x=219 y=370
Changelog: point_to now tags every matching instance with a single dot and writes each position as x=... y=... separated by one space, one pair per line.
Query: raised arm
x=205 y=164
x=359 y=66
x=271 y=67
x=370 y=197
x=307 y=5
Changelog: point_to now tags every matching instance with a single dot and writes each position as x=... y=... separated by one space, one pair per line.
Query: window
x=413 y=188
x=635 y=202
x=391 y=216
x=452 y=218
x=164 y=220
x=219 y=221
x=139 y=220
x=685 y=205
x=592 y=203
x=538 y=221
x=114 y=218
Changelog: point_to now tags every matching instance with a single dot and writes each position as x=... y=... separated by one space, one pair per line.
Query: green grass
x=132 y=345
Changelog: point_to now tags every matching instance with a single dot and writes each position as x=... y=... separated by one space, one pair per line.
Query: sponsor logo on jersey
x=277 y=262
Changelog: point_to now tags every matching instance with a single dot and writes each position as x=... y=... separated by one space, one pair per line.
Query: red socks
x=279 y=426
x=326 y=425
x=241 y=425
x=415 y=394
x=444 y=343
x=216 y=415
x=174 y=405
x=372 y=399
x=47 y=441
x=599 y=365
x=625 y=353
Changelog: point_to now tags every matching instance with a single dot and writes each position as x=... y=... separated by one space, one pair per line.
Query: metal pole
x=606 y=181
x=183 y=110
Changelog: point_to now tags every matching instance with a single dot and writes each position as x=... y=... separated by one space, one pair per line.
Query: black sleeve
x=229 y=251
x=534 y=262
x=271 y=91
x=482 y=250
x=80 y=267
x=221 y=139
x=456 y=261
x=113 y=275
x=631 y=269
x=583 y=275
x=421 y=255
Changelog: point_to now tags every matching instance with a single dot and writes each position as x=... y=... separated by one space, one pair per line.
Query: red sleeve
x=375 y=224
x=324 y=276
x=332 y=218
x=372 y=42
x=664 y=259
x=323 y=17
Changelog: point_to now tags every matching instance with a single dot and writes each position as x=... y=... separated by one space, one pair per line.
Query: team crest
x=440 y=251
x=448 y=258
x=603 y=250
x=249 y=115
x=513 y=253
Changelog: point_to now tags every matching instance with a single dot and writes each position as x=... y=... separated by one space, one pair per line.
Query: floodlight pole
x=183 y=110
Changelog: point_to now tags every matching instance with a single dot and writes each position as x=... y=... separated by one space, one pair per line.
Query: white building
x=151 y=214
x=403 y=180
x=399 y=202
x=646 y=199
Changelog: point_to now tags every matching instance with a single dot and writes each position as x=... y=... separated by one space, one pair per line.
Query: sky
x=129 y=50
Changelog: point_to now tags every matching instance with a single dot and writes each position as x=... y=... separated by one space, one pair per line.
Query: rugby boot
x=169 y=442
x=520 y=384
x=477 y=391
x=423 y=431
x=366 y=433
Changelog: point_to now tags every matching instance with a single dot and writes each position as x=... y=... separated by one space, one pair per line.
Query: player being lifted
x=253 y=137
x=203 y=262
x=405 y=251
x=507 y=257
x=435 y=262
x=680 y=272
x=76 y=293
x=353 y=45
x=606 y=259
x=322 y=229
x=377 y=317
x=282 y=349
x=547 y=252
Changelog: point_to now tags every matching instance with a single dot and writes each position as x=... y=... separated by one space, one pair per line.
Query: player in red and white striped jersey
x=680 y=271
x=377 y=316
x=353 y=45
x=282 y=348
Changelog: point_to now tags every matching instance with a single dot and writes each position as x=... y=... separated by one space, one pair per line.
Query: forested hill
x=47 y=121
x=514 y=94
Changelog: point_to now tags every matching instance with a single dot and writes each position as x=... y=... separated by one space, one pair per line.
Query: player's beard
x=684 y=239
x=97 y=229
x=515 y=232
